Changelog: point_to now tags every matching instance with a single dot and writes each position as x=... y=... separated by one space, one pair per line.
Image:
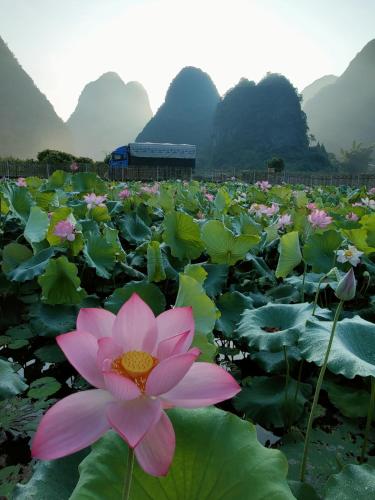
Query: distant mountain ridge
x=317 y=85
x=28 y=122
x=186 y=116
x=345 y=110
x=109 y=113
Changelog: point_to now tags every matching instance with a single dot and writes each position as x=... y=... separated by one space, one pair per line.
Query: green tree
x=358 y=158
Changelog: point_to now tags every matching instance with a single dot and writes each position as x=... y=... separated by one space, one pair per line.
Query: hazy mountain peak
x=317 y=85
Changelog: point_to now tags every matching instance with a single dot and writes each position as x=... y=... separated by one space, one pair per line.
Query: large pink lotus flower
x=319 y=218
x=65 y=230
x=92 y=200
x=209 y=196
x=21 y=182
x=140 y=366
x=263 y=185
x=273 y=209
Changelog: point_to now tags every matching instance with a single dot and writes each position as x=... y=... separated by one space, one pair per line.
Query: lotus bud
x=347 y=286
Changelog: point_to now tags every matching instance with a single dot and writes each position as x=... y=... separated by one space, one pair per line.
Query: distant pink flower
x=74 y=167
x=319 y=218
x=352 y=216
x=94 y=201
x=256 y=208
x=200 y=215
x=366 y=202
x=125 y=193
x=371 y=191
x=209 y=196
x=284 y=220
x=151 y=189
x=273 y=209
x=233 y=178
x=311 y=206
x=139 y=365
x=65 y=230
x=21 y=182
x=263 y=185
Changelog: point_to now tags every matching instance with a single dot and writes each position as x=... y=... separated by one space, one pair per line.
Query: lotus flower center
x=137 y=363
x=348 y=253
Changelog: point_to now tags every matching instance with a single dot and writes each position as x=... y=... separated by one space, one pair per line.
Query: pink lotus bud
x=347 y=286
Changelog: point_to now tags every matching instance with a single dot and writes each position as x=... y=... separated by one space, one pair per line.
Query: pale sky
x=64 y=44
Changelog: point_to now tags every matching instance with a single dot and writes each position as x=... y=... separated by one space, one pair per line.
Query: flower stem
x=303 y=283
x=369 y=420
x=128 y=475
x=287 y=370
x=317 y=293
x=317 y=392
x=297 y=390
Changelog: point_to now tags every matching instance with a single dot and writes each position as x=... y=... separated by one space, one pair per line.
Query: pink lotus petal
x=169 y=372
x=135 y=326
x=107 y=350
x=155 y=452
x=121 y=387
x=176 y=321
x=81 y=349
x=72 y=424
x=132 y=419
x=205 y=384
x=172 y=345
x=98 y=322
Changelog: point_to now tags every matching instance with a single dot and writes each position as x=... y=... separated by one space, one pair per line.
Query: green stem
x=286 y=385
x=128 y=475
x=369 y=420
x=317 y=392
x=317 y=294
x=297 y=389
x=303 y=282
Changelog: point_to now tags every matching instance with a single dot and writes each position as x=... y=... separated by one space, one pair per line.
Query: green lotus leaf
x=58 y=215
x=352 y=402
x=273 y=326
x=223 y=246
x=319 y=250
x=148 y=292
x=231 y=306
x=217 y=275
x=290 y=254
x=303 y=491
x=222 y=200
x=99 y=254
x=265 y=401
x=11 y=383
x=274 y=362
x=37 y=225
x=133 y=229
x=353 y=482
x=50 y=354
x=42 y=388
x=52 y=479
x=217 y=456
x=60 y=283
x=88 y=182
x=13 y=255
x=191 y=293
x=49 y=321
x=57 y=179
x=100 y=214
x=19 y=201
x=155 y=262
x=33 y=267
x=329 y=450
x=353 y=348
x=197 y=272
x=182 y=234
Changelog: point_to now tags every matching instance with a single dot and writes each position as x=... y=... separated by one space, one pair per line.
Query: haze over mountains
x=109 y=113
x=28 y=122
x=248 y=125
x=345 y=110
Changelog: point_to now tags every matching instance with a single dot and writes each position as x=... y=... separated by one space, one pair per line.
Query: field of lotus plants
x=186 y=340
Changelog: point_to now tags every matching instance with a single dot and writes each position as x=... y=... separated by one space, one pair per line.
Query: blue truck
x=152 y=154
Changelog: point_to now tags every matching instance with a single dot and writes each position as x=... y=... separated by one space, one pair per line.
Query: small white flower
x=351 y=255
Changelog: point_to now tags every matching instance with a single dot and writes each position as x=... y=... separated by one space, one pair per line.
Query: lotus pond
x=273 y=287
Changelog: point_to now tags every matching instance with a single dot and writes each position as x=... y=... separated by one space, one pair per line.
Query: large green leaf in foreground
x=290 y=254
x=182 y=235
x=354 y=481
x=353 y=347
x=217 y=458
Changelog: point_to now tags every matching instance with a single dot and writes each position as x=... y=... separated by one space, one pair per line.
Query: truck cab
x=119 y=157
